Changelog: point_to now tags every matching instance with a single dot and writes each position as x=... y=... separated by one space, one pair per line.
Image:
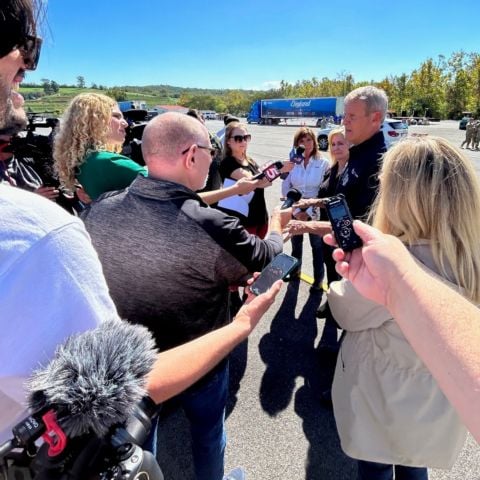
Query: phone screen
x=277 y=269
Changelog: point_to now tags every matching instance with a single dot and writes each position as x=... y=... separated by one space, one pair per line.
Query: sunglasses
x=241 y=138
x=213 y=151
x=30 y=50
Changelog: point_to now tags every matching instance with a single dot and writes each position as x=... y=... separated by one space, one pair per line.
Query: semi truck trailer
x=272 y=111
x=132 y=105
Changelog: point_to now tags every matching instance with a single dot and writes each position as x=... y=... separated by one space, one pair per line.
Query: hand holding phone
x=277 y=269
x=342 y=223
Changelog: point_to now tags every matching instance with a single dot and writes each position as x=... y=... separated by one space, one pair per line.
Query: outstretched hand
x=246 y=185
x=294 y=227
x=255 y=306
x=375 y=268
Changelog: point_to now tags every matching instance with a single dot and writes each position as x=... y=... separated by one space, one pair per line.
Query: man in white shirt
x=51 y=282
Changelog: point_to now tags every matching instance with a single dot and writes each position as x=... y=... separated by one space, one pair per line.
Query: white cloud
x=268 y=85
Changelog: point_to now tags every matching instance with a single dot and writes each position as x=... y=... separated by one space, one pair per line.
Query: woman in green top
x=86 y=146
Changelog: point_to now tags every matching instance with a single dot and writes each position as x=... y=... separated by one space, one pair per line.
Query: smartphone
x=277 y=269
x=342 y=223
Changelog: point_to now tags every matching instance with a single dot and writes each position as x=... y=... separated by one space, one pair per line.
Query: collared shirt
x=306 y=180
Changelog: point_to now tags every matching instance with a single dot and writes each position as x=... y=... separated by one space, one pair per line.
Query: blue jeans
x=204 y=406
x=316 y=243
x=380 y=471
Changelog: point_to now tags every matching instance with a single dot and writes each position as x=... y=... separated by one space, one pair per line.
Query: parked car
x=393 y=131
x=463 y=123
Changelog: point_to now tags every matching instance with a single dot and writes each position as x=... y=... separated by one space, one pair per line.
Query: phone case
x=278 y=269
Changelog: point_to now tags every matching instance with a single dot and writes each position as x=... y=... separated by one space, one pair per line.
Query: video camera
x=132 y=146
x=36 y=150
x=117 y=456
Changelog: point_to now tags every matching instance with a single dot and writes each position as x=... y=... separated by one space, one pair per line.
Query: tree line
x=440 y=88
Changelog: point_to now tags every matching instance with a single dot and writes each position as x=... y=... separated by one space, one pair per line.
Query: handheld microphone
x=271 y=172
x=296 y=154
x=293 y=195
x=96 y=378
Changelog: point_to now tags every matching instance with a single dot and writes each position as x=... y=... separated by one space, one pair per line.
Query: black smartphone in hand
x=277 y=269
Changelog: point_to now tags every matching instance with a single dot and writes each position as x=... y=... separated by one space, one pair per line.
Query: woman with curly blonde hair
x=86 y=146
x=390 y=412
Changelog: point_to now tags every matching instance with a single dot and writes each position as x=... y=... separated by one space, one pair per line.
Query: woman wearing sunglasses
x=86 y=146
x=250 y=209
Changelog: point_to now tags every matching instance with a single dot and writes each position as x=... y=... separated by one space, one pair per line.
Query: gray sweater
x=169 y=259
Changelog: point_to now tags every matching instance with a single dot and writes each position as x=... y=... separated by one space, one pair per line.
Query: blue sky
x=250 y=43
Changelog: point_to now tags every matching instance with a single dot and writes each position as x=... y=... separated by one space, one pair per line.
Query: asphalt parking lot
x=276 y=426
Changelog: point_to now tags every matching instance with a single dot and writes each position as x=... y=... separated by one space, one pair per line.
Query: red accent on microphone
x=54 y=435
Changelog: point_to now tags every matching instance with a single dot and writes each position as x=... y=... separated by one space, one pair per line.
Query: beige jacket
x=388 y=408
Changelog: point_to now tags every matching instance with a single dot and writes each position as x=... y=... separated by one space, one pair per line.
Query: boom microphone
x=293 y=195
x=96 y=378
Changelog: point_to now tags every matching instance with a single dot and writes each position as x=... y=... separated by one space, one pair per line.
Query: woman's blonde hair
x=430 y=190
x=332 y=133
x=85 y=126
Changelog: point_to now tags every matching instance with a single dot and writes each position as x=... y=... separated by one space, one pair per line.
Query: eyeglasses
x=30 y=50
x=213 y=151
x=241 y=138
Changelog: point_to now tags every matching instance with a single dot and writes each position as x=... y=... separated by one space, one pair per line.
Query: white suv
x=393 y=131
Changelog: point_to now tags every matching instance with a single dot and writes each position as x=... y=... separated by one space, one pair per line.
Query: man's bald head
x=176 y=148
x=168 y=135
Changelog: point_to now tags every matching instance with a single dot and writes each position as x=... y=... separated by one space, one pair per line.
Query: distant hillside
x=36 y=100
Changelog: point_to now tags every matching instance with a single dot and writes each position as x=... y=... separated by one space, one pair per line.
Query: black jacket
x=359 y=181
x=169 y=259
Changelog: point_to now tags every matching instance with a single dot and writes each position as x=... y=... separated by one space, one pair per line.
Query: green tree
x=46 y=85
x=457 y=94
x=428 y=92
x=474 y=75
x=400 y=97
x=81 y=81
x=236 y=101
x=54 y=86
x=117 y=93
x=457 y=88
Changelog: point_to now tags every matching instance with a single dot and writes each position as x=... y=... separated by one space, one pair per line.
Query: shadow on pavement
x=289 y=352
x=287 y=349
x=238 y=366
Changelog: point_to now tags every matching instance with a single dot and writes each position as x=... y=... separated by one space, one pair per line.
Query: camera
x=116 y=456
x=137 y=119
x=33 y=151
